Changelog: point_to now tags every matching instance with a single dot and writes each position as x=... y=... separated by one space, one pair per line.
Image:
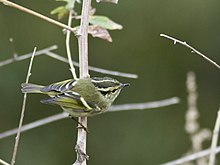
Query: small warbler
x=80 y=98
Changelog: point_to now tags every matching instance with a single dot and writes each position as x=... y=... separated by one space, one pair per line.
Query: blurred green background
x=134 y=137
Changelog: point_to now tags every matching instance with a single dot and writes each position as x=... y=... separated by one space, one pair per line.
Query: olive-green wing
x=69 y=100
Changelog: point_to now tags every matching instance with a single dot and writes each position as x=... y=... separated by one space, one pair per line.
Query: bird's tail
x=31 y=88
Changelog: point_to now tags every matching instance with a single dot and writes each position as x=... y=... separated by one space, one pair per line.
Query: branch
x=143 y=106
x=109 y=1
x=214 y=140
x=83 y=39
x=113 y=108
x=192 y=157
x=48 y=52
x=11 y=4
x=22 y=112
x=92 y=68
x=26 y=56
x=35 y=124
x=3 y=162
x=190 y=47
x=84 y=72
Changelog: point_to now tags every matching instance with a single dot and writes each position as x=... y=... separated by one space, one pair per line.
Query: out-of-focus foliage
x=63 y=10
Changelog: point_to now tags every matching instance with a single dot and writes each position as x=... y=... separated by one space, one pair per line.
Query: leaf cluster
x=98 y=24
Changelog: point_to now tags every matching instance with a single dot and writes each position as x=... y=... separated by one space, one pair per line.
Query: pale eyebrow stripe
x=97 y=81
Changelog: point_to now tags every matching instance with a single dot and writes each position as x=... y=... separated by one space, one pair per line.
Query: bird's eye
x=104 y=92
x=113 y=91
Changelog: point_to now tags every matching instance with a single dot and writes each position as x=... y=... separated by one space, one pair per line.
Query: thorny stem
x=190 y=47
x=83 y=67
x=22 y=112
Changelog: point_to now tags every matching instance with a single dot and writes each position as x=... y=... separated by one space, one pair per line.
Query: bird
x=83 y=97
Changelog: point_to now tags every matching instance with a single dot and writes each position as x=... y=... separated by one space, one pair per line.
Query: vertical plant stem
x=214 y=140
x=83 y=63
x=83 y=39
x=68 y=46
x=22 y=112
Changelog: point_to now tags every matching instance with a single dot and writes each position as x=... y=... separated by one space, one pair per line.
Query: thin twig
x=109 y=1
x=68 y=46
x=35 y=124
x=3 y=162
x=26 y=56
x=190 y=47
x=143 y=106
x=113 y=108
x=92 y=68
x=11 y=4
x=84 y=72
x=47 y=51
x=22 y=112
x=214 y=140
x=192 y=157
x=113 y=72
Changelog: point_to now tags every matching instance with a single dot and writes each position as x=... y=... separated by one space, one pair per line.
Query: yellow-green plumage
x=83 y=97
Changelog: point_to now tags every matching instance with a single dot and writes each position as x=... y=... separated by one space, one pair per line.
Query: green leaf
x=61 y=11
x=104 y=22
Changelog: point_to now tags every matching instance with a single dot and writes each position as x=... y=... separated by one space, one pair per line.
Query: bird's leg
x=81 y=125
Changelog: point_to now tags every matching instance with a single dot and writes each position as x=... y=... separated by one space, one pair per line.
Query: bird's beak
x=124 y=85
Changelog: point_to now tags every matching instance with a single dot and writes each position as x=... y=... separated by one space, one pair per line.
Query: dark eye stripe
x=104 y=85
x=104 y=93
x=114 y=90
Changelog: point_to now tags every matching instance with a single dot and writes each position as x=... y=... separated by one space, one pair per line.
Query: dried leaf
x=97 y=31
x=110 y=1
x=104 y=22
